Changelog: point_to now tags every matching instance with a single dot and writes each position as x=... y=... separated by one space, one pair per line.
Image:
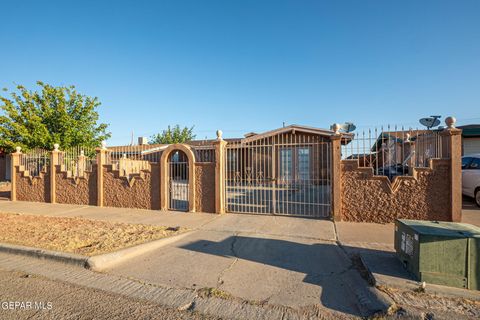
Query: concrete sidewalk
x=125 y=215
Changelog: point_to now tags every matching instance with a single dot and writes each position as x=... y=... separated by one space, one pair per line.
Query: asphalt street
x=24 y=296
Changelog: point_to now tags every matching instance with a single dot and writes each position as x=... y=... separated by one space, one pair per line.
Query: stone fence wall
x=432 y=193
x=105 y=186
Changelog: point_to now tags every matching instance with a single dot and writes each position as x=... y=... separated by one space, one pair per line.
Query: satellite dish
x=348 y=127
x=430 y=122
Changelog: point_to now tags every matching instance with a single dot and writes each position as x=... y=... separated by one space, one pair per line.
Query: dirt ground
x=422 y=305
x=77 y=235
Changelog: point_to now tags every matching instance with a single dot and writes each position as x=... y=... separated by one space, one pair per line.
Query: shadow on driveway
x=324 y=265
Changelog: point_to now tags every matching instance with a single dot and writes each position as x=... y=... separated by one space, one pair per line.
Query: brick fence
x=357 y=194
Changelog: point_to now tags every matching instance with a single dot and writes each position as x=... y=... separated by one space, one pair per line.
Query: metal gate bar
x=287 y=174
x=178 y=181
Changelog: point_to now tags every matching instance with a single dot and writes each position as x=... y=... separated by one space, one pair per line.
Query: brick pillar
x=101 y=160
x=54 y=161
x=14 y=163
x=336 y=175
x=220 y=147
x=452 y=149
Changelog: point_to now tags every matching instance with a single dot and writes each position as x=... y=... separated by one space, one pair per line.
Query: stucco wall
x=205 y=187
x=368 y=198
x=76 y=191
x=35 y=189
x=143 y=192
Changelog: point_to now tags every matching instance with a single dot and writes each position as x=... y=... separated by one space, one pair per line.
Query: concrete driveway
x=264 y=259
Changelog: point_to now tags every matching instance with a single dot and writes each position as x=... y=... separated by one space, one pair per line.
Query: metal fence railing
x=392 y=150
x=133 y=159
x=77 y=160
x=204 y=153
x=35 y=161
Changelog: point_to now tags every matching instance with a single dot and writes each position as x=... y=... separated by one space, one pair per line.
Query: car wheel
x=477 y=197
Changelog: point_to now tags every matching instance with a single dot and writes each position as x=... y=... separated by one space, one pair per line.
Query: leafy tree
x=39 y=119
x=173 y=135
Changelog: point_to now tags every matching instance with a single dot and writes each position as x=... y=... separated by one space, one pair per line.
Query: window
x=303 y=163
x=286 y=164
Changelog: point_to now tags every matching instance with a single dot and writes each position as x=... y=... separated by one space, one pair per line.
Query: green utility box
x=444 y=253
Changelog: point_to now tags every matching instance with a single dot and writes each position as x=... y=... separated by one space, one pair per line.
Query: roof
x=249 y=137
x=470 y=130
x=293 y=128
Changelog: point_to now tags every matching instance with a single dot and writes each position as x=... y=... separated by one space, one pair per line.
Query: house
x=390 y=148
x=470 y=139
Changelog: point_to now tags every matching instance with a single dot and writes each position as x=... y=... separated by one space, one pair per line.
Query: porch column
x=101 y=160
x=14 y=163
x=54 y=157
x=452 y=149
x=220 y=166
x=336 y=176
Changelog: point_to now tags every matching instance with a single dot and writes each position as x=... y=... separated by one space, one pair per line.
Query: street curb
x=95 y=263
x=67 y=258
x=108 y=260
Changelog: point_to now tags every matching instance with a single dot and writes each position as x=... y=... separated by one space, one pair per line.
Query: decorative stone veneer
x=35 y=189
x=82 y=190
x=205 y=187
x=141 y=191
x=369 y=198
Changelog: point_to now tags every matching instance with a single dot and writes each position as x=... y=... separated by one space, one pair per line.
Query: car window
x=465 y=162
x=475 y=164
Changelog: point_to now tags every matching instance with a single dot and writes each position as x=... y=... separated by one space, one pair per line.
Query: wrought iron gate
x=286 y=174
x=178 y=181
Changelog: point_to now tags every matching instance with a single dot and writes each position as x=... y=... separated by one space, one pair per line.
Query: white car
x=471 y=177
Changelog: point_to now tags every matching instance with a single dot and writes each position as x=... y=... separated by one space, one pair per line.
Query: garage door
x=471 y=146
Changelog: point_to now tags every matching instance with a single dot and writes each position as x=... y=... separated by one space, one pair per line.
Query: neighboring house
x=389 y=148
x=4 y=166
x=470 y=139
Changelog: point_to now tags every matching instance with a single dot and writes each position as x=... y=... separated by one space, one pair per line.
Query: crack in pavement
x=234 y=254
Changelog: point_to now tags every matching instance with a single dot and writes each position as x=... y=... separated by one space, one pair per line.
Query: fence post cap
x=336 y=128
x=103 y=145
x=219 y=135
x=450 y=122
x=56 y=146
x=18 y=149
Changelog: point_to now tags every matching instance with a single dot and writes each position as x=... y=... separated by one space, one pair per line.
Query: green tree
x=173 y=135
x=39 y=119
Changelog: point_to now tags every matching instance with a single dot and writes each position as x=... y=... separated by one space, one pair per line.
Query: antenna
x=430 y=122
x=348 y=127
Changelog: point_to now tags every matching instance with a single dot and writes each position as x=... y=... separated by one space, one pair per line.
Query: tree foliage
x=173 y=135
x=39 y=119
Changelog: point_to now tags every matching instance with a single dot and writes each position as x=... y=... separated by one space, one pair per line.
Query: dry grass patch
x=77 y=235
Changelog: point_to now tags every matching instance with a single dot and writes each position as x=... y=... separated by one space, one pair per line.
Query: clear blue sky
x=246 y=66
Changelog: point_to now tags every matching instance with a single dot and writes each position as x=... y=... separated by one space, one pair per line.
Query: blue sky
x=245 y=66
